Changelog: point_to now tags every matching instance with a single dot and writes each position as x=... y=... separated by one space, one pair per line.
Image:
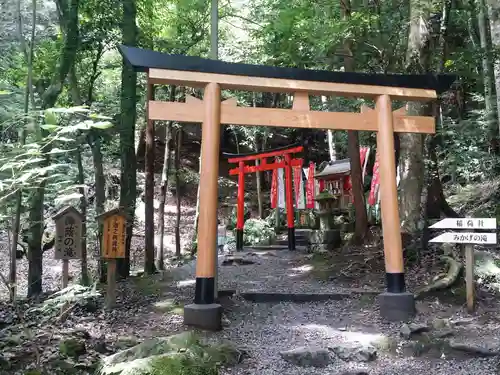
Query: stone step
x=303 y=242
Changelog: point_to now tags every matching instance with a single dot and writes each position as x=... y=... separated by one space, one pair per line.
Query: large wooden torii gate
x=164 y=69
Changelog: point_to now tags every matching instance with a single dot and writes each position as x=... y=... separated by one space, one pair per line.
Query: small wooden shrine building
x=337 y=180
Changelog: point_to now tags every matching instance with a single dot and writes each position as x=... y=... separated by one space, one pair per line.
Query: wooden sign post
x=113 y=247
x=468 y=239
x=68 y=244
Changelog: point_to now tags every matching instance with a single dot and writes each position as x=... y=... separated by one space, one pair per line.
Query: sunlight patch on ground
x=300 y=271
x=184 y=283
x=348 y=336
x=169 y=305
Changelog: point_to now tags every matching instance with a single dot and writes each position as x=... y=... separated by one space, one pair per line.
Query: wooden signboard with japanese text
x=114 y=236
x=68 y=244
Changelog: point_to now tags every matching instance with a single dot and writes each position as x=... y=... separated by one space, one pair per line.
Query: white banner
x=300 y=201
x=316 y=193
x=281 y=188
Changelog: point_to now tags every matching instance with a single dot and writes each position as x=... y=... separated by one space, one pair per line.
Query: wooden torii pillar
x=164 y=69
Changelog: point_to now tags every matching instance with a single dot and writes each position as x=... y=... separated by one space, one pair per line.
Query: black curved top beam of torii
x=143 y=59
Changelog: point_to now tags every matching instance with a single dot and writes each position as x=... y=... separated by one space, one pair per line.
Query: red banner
x=310 y=187
x=274 y=189
x=372 y=199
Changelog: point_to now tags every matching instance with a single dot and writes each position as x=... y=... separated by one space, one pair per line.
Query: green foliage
x=179 y=354
x=271 y=219
x=74 y=294
x=231 y=221
x=257 y=231
x=466 y=152
x=182 y=364
x=23 y=166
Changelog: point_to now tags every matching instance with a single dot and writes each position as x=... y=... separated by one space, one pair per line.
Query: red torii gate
x=288 y=163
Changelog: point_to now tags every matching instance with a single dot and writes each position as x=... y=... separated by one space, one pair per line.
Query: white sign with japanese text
x=467 y=237
x=466 y=223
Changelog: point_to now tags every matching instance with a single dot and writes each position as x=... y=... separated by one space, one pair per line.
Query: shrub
x=257 y=231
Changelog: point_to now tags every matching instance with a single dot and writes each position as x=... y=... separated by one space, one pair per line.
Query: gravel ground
x=273 y=271
x=264 y=330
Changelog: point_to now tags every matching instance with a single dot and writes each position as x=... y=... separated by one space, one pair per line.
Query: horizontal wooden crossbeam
x=237 y=82
x=263 y=155
x=288 y=118
x=265 y=167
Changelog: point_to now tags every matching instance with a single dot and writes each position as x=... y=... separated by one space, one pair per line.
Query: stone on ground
x=72 y=347
x=407 y=330
x=307 y=356
x=473 y=349
x=174 y=354
x=236 y=261
x=355 y=352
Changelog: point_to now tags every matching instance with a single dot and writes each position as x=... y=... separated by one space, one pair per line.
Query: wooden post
x=469 y=277
x=207 y=226
x=113 y=247
x=289 y=201
x=240 y=210
x=111 y=284
x=393 y=251
x=395 y=304
x=65 y=273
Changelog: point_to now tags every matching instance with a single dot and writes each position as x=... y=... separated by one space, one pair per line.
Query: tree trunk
x=435 y=199
x=331 y=145
x=494 y=16
x=490 y=99
x=69 y=25
x=22 y=137
x=164 y=186
x=128 y=183
x=149 y=167
x=100 y=193
x=361 y=225
x=167 y=161
x=178 y=193
x=411 y=164
x=83 y=210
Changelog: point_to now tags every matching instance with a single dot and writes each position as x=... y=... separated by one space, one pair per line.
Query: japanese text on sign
x=476 y=238
x=68 y=235
x=466 y=237
x=466 y=223
x=114 y=237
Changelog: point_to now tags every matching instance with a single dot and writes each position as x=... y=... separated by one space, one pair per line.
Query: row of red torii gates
x=287 y=162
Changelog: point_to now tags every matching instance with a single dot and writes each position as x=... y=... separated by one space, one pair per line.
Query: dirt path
x=351 y=328
x=267 y=329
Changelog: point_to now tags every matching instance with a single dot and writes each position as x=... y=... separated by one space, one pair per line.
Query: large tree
x=411 y=160
x=68 y=20
x=128 y=183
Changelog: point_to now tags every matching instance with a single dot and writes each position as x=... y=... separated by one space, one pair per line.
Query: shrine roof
x=144 y=59
x=336 y=168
